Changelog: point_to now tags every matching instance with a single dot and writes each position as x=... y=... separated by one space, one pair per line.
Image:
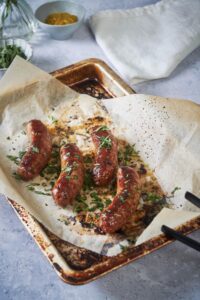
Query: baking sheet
x=59 y=94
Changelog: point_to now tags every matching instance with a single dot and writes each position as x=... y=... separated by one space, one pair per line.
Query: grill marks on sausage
x=124 y=203
x=38 y=153
x=71 y=178
x=105 y=155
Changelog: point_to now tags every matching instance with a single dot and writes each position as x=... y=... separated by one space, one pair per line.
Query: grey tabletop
x=169 y=273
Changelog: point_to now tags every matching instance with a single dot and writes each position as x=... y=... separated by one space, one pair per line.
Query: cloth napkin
x=148 y=42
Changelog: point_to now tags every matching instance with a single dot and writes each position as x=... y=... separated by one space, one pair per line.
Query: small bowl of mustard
x=60 y=18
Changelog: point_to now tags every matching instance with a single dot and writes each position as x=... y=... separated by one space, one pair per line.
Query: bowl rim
x=61 y=26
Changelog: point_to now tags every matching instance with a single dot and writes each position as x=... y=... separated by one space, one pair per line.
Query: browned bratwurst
x=70 y=181
x=39 y=151
x=106 y=155
x=124 y=203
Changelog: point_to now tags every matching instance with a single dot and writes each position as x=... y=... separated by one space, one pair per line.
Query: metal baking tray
x=76 y=265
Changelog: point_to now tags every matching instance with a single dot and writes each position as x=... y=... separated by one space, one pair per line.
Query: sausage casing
x=39 y=151
x=124 y=203
x=71 y=178
x=106 y=155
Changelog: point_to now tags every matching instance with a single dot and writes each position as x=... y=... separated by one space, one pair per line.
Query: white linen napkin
x=148 y=42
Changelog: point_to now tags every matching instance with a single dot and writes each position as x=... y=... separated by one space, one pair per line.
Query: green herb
x=8 y=53
x=35 y=149
x=122 y=199
x=102 y=128
x=55 y=153
x=120 y=155
x=16 y=176
x=87 y=160
x=30 y=188
x=68 y=170
x=105 y=142
x=51 y=169
x=13 y=158
x=175 y=190
x=123 y=248
x=81 y=205
x=68 y=177
x=153 y=197
x=97 y=201
x=88 y=181
x=53 y=119
x=93 y=208
x=129 y=152
x=77 y=156
x=78 y=208
x=108 y=202
x=81 y=198
x=21 y=154
x=52 y=183
x=42 y=193
x=75 y=165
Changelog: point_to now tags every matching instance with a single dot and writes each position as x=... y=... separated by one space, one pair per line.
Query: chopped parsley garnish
x=53 y=119
x=102 y=128
x=16 y=159
x=68 y=170
x=77 y=156
x=88 y=181
x=105 y=142
x=123 y=248
x=122 y=199
x=130 y=151
x=152 y=197
x=108 y=202
x=51 y=169
x=16 y=176
x=87 y=159
x=175 y=190
x=42 y=193
x=35 y=149
x=13 y=158
x=97 y=201
x=21 y=154
x=80 y=204
x=80 y=198
x=30 y=188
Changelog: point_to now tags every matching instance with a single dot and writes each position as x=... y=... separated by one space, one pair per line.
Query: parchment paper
x=166 y=132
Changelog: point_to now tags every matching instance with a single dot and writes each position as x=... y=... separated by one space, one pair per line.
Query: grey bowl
x=60 y=32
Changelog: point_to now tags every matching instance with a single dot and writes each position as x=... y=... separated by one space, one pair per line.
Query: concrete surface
x=169 y=273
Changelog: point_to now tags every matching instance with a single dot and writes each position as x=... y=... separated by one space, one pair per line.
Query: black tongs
x=179 y=236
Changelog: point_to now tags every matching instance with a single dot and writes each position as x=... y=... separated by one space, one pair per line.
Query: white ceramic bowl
x=26 y=48
x=60 y=32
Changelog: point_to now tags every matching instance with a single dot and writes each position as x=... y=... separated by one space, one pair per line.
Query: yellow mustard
x=61 y=18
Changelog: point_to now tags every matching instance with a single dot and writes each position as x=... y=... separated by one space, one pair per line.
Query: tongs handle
x=177 y=235
x=193 y=199
x=180 y=237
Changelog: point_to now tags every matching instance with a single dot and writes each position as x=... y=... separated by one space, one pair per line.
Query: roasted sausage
x=105 y=155
x=124 y=203
x=70 y=181
x=38 y=153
